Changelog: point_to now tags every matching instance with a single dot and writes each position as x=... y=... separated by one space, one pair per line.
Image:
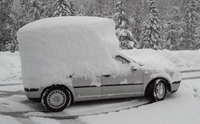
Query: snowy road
x=190 y=74
x=15 y=108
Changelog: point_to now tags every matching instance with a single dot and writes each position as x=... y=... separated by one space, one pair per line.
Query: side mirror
x=133 y=68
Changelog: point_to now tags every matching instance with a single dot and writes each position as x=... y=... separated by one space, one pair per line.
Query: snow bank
x=180 y=59
x=10 y=66
x=53 y=49
x=162 y=61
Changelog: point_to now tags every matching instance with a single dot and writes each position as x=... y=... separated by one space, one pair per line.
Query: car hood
x=155 y=68
x=170 y=73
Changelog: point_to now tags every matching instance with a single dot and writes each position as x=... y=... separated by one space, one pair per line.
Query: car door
x=123 y=85
x=87 y=88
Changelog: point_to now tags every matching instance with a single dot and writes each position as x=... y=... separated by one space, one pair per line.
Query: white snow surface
x=181 y=59
x=8 y=120
x=10 y=66
x=53 y=49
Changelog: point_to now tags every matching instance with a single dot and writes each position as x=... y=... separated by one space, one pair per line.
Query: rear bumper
x=33 y=93
x=174 y=86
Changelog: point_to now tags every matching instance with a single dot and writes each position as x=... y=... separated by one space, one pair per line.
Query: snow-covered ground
x=183 y=107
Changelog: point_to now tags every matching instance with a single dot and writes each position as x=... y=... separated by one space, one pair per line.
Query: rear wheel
x=157 y=90
x=56 y=98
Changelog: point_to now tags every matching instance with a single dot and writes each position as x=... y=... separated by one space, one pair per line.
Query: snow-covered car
x=71 y=59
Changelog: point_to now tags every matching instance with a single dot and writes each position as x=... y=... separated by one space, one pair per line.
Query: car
x=85 y=71
x=138 y=83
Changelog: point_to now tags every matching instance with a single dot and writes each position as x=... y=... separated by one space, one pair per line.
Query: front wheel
x=157 y=90
x=56 y=98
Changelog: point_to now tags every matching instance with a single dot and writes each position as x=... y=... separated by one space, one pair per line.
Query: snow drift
x=53 y=49
x=10 y=66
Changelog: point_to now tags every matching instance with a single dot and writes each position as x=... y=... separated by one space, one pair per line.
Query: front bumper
x=174 y=86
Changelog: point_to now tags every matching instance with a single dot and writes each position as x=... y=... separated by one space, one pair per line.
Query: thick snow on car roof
x=52 y=49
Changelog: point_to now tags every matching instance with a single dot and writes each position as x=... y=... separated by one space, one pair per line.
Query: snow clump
x=52 y=49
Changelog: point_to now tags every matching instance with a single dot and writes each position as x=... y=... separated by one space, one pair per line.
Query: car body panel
x=120 y=85
x=175 y=86
x=30 y=93
x=83 y=88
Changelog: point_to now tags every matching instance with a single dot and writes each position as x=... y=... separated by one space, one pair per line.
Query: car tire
x=156 y=90
x=56 y=98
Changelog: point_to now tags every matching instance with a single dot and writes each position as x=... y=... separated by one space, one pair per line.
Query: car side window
x=121 y=59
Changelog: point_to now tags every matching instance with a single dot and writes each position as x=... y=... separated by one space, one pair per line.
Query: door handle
x=106 y=76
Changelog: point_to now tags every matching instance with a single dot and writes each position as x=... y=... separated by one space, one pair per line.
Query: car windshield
x=126 y=61
x=122 y=59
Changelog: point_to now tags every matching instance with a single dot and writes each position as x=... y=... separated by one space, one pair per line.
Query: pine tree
x=47 y=9
x=62 y=8
x=193 y=24
x=72 y=8
x=80 y=12
x=35 y=10
x=5 y=23
x=119 y=16
x=138 y=20
x=151 y=35
x=99 y=7
x=23 y=16
x=125 y=36
x=173 y=29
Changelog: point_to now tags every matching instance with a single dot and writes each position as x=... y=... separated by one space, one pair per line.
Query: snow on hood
x=52 y=49
x=155 y=63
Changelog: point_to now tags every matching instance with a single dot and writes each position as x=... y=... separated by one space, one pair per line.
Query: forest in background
x=156 y=24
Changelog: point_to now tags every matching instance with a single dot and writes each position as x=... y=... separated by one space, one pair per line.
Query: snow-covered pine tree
x=192 y=19
x=173 y=29
x=125 y=36
x=35 y=10
x=197 y=41
x=62 y=8
x=99 y=7
x=119 y=16
x=47 y=8
x=151 y=36
x=80 y=12
x=138 y=21
x=72 y=8
x=5 y=23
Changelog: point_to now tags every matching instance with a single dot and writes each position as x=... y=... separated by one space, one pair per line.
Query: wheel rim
x=56 y=99
x=160 y=90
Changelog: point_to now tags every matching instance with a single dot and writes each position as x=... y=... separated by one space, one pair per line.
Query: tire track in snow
x=189 y=71
x=9 y=93
x=184 y=72
x=10 y=84
x=22 y=114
